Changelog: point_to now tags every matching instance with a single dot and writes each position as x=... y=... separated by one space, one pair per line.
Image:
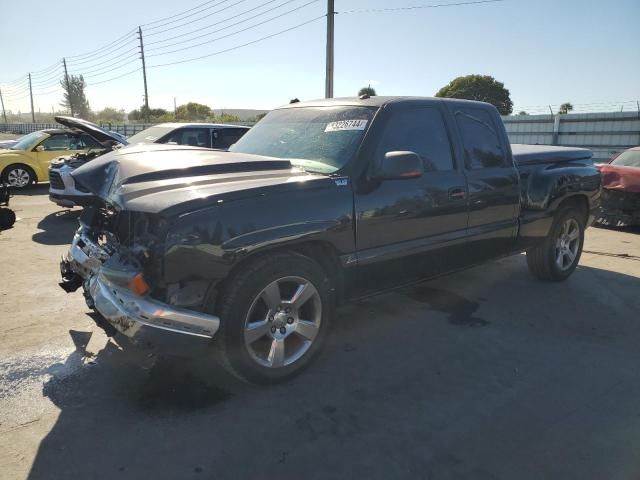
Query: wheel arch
x=577 y=201
x=322 y=252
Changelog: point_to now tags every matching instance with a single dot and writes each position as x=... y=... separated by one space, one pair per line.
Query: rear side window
x=422 y=131
x=482 y=147
x=196 y=137
x=223 y=138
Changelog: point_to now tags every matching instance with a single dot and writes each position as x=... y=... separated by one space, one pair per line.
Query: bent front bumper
x=105 y=280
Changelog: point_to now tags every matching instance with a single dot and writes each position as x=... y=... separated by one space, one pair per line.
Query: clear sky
x=545 y=51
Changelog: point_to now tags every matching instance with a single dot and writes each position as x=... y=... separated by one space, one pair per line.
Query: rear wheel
x=18 y=176
x=557 y=257
x=274 y=316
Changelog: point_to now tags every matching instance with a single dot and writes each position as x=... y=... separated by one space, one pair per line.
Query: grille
x=55 y=180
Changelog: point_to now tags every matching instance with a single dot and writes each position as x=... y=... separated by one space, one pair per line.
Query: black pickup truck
x=319 y=203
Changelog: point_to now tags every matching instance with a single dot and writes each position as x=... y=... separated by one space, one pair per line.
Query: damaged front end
x=619 y=208
x=111 y=258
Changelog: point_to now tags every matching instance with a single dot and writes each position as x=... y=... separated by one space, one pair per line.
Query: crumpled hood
x=153 y=178
x=615 y=177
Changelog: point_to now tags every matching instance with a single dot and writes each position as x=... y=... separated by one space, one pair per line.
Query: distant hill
x=242 y=113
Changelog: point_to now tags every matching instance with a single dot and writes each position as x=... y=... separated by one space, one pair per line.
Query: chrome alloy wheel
x=567 y=244
x=18 y=177
x=282 y=322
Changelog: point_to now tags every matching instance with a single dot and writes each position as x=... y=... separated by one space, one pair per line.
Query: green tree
x=155 y=115
x=193 y=112
x=565 y=108
x=483 y=88
x=522 y=112
x=225 y=118
x=367 y=91
x=74 y=96
x=110 y=115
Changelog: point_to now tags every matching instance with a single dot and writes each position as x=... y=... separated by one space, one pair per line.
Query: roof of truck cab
x=379 y=101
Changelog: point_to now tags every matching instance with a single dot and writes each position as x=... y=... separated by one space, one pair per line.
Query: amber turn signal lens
x=138 y=285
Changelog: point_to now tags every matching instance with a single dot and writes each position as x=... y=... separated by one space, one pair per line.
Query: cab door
x=409 y=229
x=494 y=184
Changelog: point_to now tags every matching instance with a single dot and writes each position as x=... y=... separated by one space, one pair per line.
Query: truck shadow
x=391 y=370
x=57 y=228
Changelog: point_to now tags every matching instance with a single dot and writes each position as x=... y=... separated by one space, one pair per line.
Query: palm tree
x=565 y=108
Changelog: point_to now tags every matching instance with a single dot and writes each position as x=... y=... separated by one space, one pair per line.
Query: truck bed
x=535 y=154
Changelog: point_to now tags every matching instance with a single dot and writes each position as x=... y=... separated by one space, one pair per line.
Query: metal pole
x=4 y=114
x=328 y=90
x=144 y=76
x=66 y=79
x=33 y=115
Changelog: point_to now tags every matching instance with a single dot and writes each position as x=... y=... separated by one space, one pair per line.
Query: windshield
x=149 y=135
x=630 y=158
x=320 y=139
x=27 y=141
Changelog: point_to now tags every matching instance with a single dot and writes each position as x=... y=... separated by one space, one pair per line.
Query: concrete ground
x=486 y=374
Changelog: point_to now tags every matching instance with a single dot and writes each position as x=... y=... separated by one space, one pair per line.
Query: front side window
x=58 y=142
x=422 y=131
x=481 y=141
x=318 y=139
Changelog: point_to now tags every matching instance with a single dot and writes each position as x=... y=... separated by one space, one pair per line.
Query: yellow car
x=27 y=161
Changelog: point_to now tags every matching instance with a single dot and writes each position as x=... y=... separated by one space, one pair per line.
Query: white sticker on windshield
x=346 y=125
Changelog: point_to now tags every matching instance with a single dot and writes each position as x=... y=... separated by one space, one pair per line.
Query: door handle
x=457 y=193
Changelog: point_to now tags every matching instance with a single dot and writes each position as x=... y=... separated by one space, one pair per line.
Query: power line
x=93 y=52
x=222 y=21
x=105 y=69
x=177 y=19
x=182 y=13
x=240 y=46
x=229 y=34
x=194 y=21
x=416 y=7
x=106 y=57
x=113 y=78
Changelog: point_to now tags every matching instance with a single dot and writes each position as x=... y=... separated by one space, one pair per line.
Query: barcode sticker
x=346 y=125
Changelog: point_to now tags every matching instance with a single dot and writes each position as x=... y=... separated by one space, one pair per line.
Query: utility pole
x=328 y=90
x=144 y=76
x=33 y=115
x=4 y=114
x=174 y=109
x=66 y=80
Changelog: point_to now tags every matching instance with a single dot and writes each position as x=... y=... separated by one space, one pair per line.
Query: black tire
x=24 y=168
x=239 y=296
x=542 y=258
x=7 y=218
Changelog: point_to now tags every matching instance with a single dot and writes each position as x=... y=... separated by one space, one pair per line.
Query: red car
x=621 y=190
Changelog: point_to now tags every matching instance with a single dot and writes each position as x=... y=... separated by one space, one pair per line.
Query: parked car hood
x=154 y=178
x=102 y=135
x=618 y=177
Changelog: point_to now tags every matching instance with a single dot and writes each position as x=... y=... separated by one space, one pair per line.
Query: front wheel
x=18 y=176
x=274 y=316
x=557 y=257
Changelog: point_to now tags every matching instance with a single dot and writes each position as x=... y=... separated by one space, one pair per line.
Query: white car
x=63 y=190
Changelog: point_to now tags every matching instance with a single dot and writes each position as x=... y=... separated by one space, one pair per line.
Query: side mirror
x=398 y=166
x=40 y=148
